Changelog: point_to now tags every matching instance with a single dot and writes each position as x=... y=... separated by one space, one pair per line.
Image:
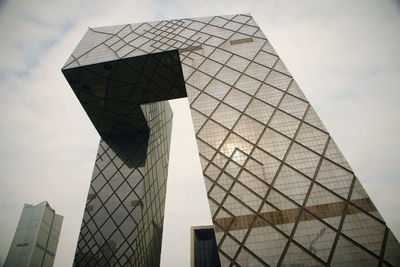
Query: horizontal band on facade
x=290 y=215
x=241 y=41
x=191 y=48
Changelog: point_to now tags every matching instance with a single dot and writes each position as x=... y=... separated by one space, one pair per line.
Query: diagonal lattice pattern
x=280 y=191
x=122 y=223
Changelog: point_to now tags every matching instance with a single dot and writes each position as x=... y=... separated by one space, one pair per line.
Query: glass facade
x=123 y=219
x=36 y=238
x=280 y=191
x=124 y=212
x=203 y=247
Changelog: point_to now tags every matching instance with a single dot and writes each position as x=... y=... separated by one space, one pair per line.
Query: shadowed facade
x=203 y=248
x=280 y=191
x=123 y=219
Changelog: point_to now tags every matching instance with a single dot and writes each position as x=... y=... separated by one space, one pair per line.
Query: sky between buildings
x=343 y=54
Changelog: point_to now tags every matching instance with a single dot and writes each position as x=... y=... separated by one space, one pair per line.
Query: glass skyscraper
x=36 y=238
x=203 y=247
x=280 y=191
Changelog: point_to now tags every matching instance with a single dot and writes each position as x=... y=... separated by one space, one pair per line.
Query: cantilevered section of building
x=280 y=191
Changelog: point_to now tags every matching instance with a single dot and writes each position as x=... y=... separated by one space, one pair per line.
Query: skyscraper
x=36 y=238
x=203 y=247
x=280 y=191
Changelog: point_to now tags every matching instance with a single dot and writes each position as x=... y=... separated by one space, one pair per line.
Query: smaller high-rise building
x=203 y=247
x=36 y=238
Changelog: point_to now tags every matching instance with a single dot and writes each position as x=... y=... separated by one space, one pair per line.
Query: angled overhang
x=111 y=92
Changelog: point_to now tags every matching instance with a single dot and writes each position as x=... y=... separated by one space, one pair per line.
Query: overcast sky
x=344 y=55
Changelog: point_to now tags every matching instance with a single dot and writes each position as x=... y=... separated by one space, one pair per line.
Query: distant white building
x=36 y=238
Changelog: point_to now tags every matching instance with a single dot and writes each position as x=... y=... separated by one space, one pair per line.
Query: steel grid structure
x=280 y=191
